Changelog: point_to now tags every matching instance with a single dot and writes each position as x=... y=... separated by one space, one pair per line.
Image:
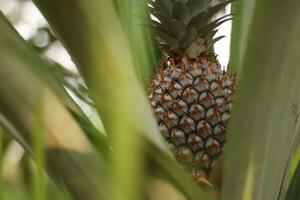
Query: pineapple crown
x=186 y=27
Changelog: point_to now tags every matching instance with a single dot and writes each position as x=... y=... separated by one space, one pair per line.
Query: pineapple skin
x=192 y=100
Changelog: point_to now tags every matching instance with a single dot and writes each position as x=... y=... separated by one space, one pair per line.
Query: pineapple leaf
x=270 y=71
x=120 y=101
x=98 y=139
x=197 y=6
x=211 y=34
x=240 y=28
x=177 y=29
x=64 y=76
x=166 y=37
x=213 y=41
x=155 y=24
x=293 y=191
x=181 y=12
x=210 y=27
x=16 y=134
x=163 y=19
x=139 y=37
x=291 y=167
x=200 y=20
x=164 y=6
x=188 y=38
x=19 y=103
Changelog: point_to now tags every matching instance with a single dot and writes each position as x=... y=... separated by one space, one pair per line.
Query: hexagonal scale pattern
x=192 y=100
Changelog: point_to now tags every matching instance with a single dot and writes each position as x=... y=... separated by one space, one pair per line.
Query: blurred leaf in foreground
x=264 y=126
x=22 y=88
x=97 y=43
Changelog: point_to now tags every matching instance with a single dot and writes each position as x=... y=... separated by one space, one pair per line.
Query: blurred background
x=33 y=27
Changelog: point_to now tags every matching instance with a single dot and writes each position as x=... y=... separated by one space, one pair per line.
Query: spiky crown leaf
x=185 y=27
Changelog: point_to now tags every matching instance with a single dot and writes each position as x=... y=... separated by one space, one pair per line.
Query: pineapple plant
x=191 y=95
x=130 y=161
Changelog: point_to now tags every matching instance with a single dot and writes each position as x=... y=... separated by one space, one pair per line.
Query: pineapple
x=191 y=95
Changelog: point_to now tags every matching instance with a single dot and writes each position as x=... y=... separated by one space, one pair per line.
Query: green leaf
x=177 y=29
x=163 y=19
x=98 y=139
x=294 y=192
x=101 y=51
x=10 y=129
x=213 y=41
x=135 y=16
x=164 y=6
x=213 y=25
x=157 y=24
x=291 y=166
x=181 y=12
x=189 y=37
x=264 y=122
x=23 y=87
x=243 y=12
x=200 y=20
x=197 y=6
x=166 y=37
x=72 y=81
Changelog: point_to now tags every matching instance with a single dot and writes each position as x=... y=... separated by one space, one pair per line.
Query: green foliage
x=180 y=26
x=25 y=85
x=293 y=192
x=110 y=43
x=264 y=126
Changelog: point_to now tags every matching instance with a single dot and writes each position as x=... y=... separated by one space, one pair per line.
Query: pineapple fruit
x=191 y=95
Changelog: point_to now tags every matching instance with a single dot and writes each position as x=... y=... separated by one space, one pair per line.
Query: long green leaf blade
x=134 y=15
x=294 y=192
x=101 y=52
x=23 y=86
x=243 y=12
x=264 y=125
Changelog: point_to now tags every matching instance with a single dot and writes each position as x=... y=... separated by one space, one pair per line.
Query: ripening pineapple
x=191 y=95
